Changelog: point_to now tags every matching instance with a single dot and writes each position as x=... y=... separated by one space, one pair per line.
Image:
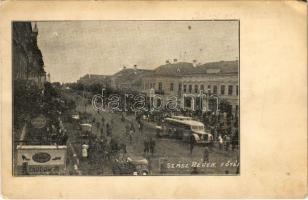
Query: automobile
x=183 y=128
x=86 y=127
x=76 y=116
x=180 y=117
x=131 y=166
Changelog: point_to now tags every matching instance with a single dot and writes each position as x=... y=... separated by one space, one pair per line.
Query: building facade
x=28 y=61
x=90 y=79
x=208 y=87
x=217 y=87
x=128 y=79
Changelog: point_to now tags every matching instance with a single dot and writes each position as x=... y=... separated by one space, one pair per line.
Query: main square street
x=57 y=130
x=170 y=157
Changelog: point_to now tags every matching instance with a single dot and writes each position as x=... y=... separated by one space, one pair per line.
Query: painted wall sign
x=39 y=121
x=41 y=157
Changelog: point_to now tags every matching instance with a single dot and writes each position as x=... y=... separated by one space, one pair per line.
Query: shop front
x=41 y=160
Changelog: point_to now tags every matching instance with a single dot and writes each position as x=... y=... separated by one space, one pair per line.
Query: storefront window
x=222 y=90
x=215 y=89
x=202 y=87
x=160 y=86
x=230 y=90
x=171 y=86
x=196 y=88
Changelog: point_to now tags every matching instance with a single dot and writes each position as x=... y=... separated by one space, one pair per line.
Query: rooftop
x=185 y=68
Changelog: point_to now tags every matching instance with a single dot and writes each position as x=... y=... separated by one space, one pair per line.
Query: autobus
x=183 y=128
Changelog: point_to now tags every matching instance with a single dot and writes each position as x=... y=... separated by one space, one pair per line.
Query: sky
x=72 y=49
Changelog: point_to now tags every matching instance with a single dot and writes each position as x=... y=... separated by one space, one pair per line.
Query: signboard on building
x=39 y=121
x=42 y=159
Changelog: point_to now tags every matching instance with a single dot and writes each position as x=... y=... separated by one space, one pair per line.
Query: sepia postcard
x=154 y=99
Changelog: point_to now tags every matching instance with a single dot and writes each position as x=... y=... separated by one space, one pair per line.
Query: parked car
x=181 y=127
x=131 y=166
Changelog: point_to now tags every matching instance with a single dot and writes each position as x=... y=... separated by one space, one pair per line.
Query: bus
x=184 y=128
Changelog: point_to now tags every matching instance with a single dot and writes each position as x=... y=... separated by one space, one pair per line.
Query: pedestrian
x=140 y=126
x=192 y=143
x=220 y=142
x=132 y=127
x=152 y=145
x=146 y=146
x=194 y=171
x=235 y=140
x=109 y=131
x=102 y=132
x=123 y=148
x=64 y=138
x=127 y=128
x=227 y=142
x=206 y=154
x=114 y=146
x=211 y=141
x=130 y=135
x=85 y=148
x=97 y=124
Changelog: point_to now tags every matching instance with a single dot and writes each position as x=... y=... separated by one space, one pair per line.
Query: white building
x=197 y=88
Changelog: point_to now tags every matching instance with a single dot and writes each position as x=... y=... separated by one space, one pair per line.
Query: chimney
x=194 y=63
x=135 y=67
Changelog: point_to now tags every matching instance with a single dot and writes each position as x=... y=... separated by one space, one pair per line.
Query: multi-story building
x=129 y=79
x=202 y=87
x=166 y=79
x=217 y=82
x=28 y=61
x=90 y=79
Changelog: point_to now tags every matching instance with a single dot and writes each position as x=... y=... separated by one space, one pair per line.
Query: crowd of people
x=101 y=146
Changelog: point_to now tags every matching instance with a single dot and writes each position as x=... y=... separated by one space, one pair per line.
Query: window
x=160 y=86
x=237 y=90
x=180 y=86
x=222 y=90
x=202 y=87
x=209 y=87
x=171 y=86
x=230 y=90
x=196 y=88
x=185 y=88
x=215 y=89
x=190 y=88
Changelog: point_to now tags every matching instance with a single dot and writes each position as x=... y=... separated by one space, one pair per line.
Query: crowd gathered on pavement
x=102 y=146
